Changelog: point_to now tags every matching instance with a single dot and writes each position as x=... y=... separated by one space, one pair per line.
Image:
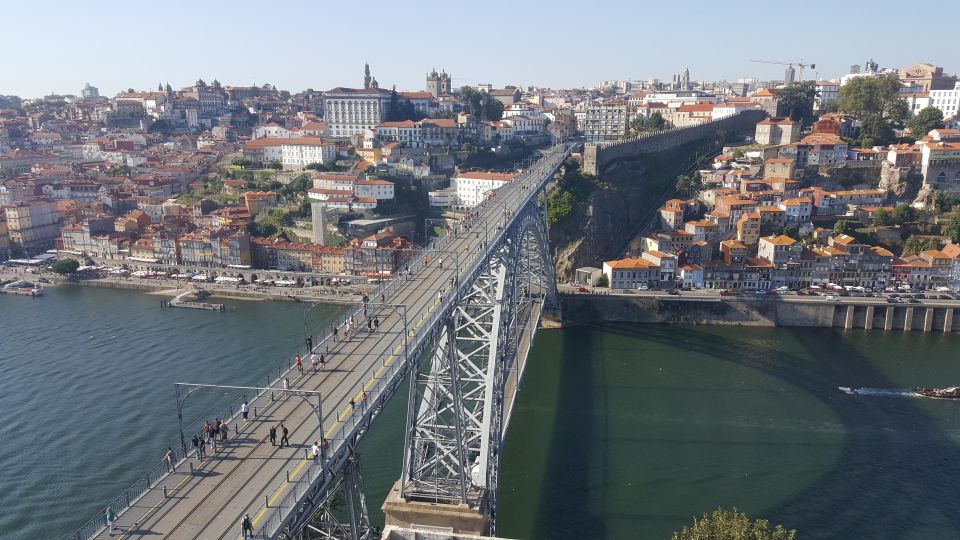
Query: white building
x=349 y=111
x=272 y=130
x=827 y=92
x=293 y=152
x=948 y=101
x=381 y=190
x=474 y=187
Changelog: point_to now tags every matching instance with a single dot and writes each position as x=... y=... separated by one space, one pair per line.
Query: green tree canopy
x=732 y=525
x=796 y=100
x=916 y=244
x=904 y=214
x=873 y=95
x=927 y=119
x=843 y=226
x=688 y=185
x=875 y=131
x=261 y=228
x=481 y=104
x=240 y=161
x=66 y=266
x=952 y=229
x=882 y=218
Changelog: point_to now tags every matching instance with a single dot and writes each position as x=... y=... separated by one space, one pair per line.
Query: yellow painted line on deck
x=279 y=491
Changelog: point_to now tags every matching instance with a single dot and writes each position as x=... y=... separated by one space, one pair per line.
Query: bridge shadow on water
x=566 y=490
x=898 y=471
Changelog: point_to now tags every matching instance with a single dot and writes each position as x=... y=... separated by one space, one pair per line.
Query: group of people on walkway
x=284 y=435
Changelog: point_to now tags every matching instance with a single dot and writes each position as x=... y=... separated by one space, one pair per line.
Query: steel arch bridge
x=456 y=327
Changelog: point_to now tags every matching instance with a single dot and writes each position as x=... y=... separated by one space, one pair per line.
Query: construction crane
x=799 y=64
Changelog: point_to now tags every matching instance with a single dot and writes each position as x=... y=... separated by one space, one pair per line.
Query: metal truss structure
x=456 y=403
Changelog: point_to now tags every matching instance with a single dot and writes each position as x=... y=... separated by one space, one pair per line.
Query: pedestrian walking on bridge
x=246 y=526
x=168 y=457
x=245 y=409
x=273 y=436
x=283 y=435
x=299 y=362
x=111 y=520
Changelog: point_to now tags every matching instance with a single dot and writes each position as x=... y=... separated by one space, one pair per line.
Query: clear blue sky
x=59 y=45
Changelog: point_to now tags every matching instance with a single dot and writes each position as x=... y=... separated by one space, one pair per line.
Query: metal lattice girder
x=332 y=521
x=448 y=435
x=454 y=432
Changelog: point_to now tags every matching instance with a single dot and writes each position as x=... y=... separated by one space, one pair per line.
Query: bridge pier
x=868 y=322
x=928 y=320
x=456 y=518
x=948 y=320
x=888 y=318
x=848 y=320
x=908 y=320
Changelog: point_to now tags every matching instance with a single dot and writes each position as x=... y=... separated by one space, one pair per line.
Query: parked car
x=581 y=288
x=831 y=298
x=913 y=301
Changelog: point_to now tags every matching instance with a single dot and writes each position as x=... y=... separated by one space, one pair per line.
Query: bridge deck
x=247 y=470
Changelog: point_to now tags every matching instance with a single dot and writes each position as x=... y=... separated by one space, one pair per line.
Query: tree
x=603 y=281
x=732 y=525
x=843 y=226
x=927 y=119
x=317 y=167
x=240 y=161
x=796 y=100
x=883 y=218
x=261 y=228
x=656 y=122
x=904 y=214
x=875 y=131
x=952 y=229
x=275 y=165
x=688 y=185
x=66 y=266
x=874 y=95
x=916 y=244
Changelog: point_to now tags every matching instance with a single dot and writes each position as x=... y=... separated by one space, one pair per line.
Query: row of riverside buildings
x=781 y=261
x=739 y=232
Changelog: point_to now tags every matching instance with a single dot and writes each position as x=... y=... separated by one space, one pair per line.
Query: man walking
x=273 y=436
x=315 y=451
x=196 y=447
x=283 y=435
x=299 y=364
x=246 y=526
x=313 y=362
x=376 y=324
x=245 y=409
x=202 y=449
x=111 y=520
x=168 y=457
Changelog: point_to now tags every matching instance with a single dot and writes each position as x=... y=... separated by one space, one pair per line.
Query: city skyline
x=241 y=50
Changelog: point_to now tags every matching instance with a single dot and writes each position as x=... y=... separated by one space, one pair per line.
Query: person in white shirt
x=315 y=451
x=245 y=409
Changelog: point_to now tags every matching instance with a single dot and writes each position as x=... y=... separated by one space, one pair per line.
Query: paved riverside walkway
x=248 y=470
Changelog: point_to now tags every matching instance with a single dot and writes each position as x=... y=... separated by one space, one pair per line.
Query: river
x=619 y=432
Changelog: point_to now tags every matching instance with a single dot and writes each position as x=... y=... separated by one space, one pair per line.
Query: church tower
x=366 y=75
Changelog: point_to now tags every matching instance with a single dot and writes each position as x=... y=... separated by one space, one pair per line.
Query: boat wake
x=933 y=393
x=879 y=392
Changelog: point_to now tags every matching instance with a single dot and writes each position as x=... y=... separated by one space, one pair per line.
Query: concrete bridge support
x=848 y=320
x=888 y=318
x=928 y=320
x=908 y=320
x=868 y=322
x=948 y=320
